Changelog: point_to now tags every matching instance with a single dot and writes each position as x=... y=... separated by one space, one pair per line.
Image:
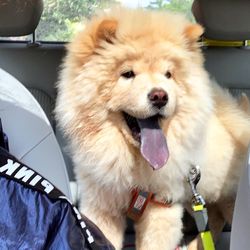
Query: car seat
x=30 y=135
x=241 y=219
x=35 y=64
x=227 y=59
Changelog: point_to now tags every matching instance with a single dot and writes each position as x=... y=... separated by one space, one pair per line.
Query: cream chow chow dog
x=139 y=110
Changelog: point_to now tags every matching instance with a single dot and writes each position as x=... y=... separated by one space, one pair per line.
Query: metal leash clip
x=193 y=179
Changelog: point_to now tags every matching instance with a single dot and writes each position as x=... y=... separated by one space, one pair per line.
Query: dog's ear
x=193 y=32
x=89 y=39
x=106 y=31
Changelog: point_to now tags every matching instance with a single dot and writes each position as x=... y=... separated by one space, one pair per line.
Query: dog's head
x=137 y=70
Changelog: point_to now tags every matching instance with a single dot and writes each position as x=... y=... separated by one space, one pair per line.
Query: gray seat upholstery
x=224 y=19
x=31 y=138
x=228 y=20
x=45 y=101
x=35 y=66
x=19 y=18
x=241 y=220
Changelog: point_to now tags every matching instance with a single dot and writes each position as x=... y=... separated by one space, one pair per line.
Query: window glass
x=62 y=18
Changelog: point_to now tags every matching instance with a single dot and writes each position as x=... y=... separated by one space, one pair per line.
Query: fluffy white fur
x=204 y=125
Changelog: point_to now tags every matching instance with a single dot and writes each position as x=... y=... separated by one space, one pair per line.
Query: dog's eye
x=128 y=74
x=168 y=74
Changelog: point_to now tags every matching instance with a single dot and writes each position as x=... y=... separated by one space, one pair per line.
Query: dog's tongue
x=153 y=142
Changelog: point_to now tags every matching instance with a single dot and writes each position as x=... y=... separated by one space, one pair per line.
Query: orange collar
x=139 y=201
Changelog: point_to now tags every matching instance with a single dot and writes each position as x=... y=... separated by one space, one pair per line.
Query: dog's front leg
x=159 y=228
x=112 y=227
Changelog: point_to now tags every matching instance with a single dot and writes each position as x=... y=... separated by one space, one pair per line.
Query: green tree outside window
x=61 y=18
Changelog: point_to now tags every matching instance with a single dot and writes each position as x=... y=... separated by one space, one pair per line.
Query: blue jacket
x=36 y=215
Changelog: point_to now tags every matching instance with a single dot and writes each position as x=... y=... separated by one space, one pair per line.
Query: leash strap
x=199 y=210
x=201 y=220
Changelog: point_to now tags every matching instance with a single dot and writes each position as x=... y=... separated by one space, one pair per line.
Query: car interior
x=35 y=64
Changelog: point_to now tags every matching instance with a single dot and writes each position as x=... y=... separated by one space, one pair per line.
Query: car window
x=62 y=18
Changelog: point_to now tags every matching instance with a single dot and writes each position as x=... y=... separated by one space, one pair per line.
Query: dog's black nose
x=158 y=98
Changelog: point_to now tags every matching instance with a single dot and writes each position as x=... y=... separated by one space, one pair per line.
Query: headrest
x=223 y=19
x=19 y=17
